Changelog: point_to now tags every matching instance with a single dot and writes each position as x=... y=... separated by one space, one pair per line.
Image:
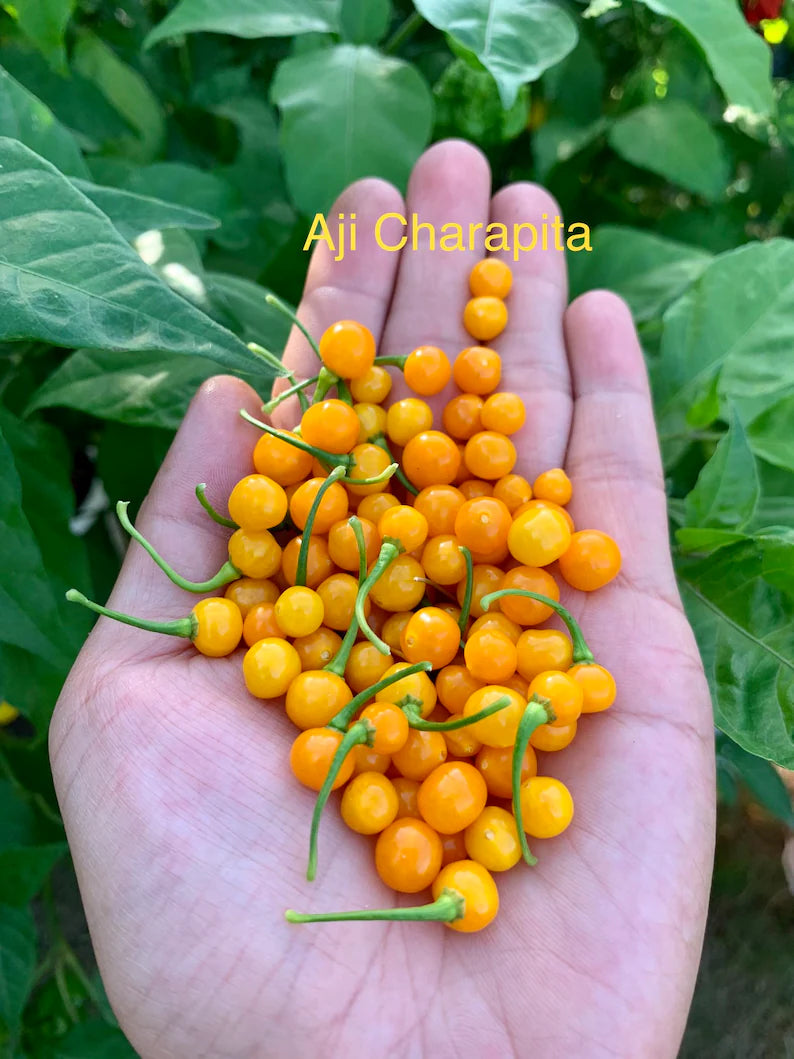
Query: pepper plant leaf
x=515 y=40
x=68 y=277
x=248 y=18
x=739 y=58
x=741 y=605
x=363 y=113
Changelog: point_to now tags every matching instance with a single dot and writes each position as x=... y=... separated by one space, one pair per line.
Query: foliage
x=159 y=168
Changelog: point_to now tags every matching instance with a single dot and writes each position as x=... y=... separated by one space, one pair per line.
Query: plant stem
x=448 y=907
x=346 y=714
x=283 y=308
x=533 y=716
x=326 y=381
x=394 y=362
x=389 y=551
x=338 y=663
x=465 y=608
x=185 y=627
x=270 y=358
x=270 y=406
x=228 y=572
x=403 y=32
x=581 y=652
x=303 y=554
x=382 y=443
x=331 y=458
x=359 y=733
x=415 y=719
x=376 y=479
x=213 y=514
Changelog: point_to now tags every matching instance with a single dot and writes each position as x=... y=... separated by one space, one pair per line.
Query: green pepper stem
x=228 y=572
x=297 y=388
x=382 y=443
x=448 y=907
x=326 y=380
x=185 y=627
x=533 y=716
x=201 y=490
x=338 y=663
x=334 y=459
x=376 y=479
x=275 y=362
x=415 y=719
x=270 y=358
x=285 y=310
x=360 y=732
x=306 y=536
x=465 y=609
x=348 y=712
x=389 y=551
x=581 y=652
x=395 y=362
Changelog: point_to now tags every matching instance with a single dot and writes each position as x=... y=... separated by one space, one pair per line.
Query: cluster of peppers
x=391 y=582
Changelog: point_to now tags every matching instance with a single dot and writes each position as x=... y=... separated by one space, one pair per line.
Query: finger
x=358 y=286
x=613 y=456
x=212 y=445
x=532 y=346
x=450 y=184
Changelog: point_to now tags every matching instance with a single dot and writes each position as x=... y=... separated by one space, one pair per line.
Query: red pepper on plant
x=756 y=10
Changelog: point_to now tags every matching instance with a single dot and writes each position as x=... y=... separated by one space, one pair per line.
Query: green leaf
x=24 y=117
x=739 y=58
x=744 y=623
x=705 y=541
x=468 y=104
x=264 y=218
x=559 y=139
x=174 y=256
x=18 y=946
x=255 y=320
x=675 y=141
x=42 y=459
x=127 y=91
x=645 y=269
x=76 y=102
x=361 y=113
x=516 y=40
x=737 y=323
x=44 y=464
x=44 y=23
x=785 y=112
x=181 y=184
x=142 y=389
x=727 y=490
x=28 y=612
x=364 y=21
x=133 y=214
x=248 y=18
x=29 y=847
x=771 y=433
x=760 y=778
x=94 y=1039
x=68 y=277
x=129 y=458
x=574 y=88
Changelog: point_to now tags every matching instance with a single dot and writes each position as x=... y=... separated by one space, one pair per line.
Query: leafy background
x=158 y=175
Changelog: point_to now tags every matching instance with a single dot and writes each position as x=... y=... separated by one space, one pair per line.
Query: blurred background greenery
x=208 y=135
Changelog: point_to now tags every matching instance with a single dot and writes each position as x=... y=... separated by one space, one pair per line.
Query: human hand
x=189 y=834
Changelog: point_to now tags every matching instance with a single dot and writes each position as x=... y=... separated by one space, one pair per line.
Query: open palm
x=190 y=836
